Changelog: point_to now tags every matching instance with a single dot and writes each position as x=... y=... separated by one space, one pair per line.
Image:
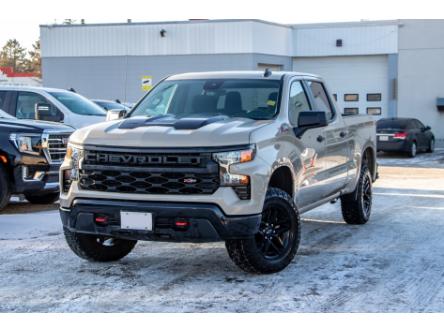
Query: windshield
x=247 y=98
x=5 y=115
x=78 y=104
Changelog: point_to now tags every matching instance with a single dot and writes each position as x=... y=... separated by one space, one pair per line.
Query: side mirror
x=43 y=111
x=309 y=120
x=427 y=128
x=312 y=119
x=115 y=114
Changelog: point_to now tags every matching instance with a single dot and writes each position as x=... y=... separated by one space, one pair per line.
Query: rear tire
x=42 y=199
x=5 y=192
x=413 y=150
x=356 y=206
x=275 y=245
x=431 y=148
x=97 y=248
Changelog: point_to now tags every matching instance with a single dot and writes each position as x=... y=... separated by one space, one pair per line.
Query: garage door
x=359 y=83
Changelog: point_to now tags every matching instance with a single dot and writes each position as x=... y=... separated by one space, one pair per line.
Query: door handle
x=320 y=138
x=343 y=134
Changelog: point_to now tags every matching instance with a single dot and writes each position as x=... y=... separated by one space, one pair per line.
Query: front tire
x=98 y=248
x=275 y=245
x=5 y=192
x=42 y=199
x=356 y=206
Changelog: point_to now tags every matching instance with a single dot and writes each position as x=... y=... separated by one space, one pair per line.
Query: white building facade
x=382 y=68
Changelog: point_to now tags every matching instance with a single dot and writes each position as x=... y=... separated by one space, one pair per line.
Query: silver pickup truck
x=221 y=156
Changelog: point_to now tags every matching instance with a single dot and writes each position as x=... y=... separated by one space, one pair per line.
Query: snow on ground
x=422 y=160
x=395 y=263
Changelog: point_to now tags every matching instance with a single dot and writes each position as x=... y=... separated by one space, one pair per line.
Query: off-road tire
x=352 y=204
x=246 y=254
x=42 y=199
x=90 y=248
x=413 y=150
x=5 y=192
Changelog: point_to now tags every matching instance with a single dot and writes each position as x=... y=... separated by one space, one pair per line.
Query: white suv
x=59 y=105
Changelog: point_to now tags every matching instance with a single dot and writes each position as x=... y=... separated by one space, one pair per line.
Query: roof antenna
x=72 y=90
x=267 y=72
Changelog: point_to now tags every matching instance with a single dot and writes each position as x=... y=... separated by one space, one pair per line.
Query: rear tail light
x=400 y=135
x=182 y=224
x=101 y=219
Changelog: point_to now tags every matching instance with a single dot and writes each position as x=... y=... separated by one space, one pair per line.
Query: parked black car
x=407 y=135
x=31 y=153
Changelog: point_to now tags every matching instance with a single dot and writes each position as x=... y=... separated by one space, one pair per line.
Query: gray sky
x=24 y=16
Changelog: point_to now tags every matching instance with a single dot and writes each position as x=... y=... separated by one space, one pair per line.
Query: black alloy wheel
x=274 y=237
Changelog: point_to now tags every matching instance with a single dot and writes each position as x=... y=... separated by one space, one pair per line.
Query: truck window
x=297 y=103
x=321 y=102
x=26 y=102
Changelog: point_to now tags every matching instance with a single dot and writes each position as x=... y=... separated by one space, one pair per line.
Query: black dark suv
x=30 y=156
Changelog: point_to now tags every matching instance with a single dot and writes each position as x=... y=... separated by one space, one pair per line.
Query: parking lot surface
x=395 y=263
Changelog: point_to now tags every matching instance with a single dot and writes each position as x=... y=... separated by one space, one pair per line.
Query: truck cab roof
x=31 y=88
x=239 y=75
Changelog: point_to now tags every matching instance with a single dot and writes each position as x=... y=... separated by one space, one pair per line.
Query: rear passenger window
x=321 y=102
x=298 y=102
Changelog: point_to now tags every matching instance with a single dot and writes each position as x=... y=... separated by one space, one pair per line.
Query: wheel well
x=282 y=179
x=368 y=158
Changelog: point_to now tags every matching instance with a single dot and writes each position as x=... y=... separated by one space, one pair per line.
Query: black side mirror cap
x=309 y=120
x=312 y=119
x=44 y=111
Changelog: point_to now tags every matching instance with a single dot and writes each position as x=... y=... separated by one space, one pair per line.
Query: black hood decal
x=169 y=121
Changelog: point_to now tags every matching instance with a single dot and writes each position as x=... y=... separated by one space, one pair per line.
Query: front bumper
x=36 y=179
x=207 y=221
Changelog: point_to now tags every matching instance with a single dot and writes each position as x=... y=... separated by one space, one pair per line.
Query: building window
x=351 y=111
x=351 y=97
x=374 y=97
x=335 y=96
x=374 y=111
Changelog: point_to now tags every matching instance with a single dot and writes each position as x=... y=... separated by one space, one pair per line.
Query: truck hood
x=23 y=125
x=169 y=132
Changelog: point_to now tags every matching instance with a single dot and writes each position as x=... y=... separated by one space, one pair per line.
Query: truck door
x=310 y=188
x=334 y=137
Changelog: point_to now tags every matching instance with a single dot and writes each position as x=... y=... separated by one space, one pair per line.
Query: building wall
x=120 y=77
x=421 y=72
x=359 y=38
x=181 y=38
x=351 y=75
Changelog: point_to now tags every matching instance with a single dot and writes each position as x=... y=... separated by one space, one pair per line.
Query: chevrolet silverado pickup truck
x=31 y=153
x=219 y=156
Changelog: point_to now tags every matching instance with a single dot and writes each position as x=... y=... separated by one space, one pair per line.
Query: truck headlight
x=27 y=143
x=226 y=159
x=73 y=157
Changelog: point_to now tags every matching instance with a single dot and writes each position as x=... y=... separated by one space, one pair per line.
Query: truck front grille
x=55 y=147
x=149 y=173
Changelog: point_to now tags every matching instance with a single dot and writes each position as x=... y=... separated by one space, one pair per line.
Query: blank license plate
x=383 y=138
x=136 y=221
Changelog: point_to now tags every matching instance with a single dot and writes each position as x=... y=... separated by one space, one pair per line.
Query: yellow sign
x=147 y=83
